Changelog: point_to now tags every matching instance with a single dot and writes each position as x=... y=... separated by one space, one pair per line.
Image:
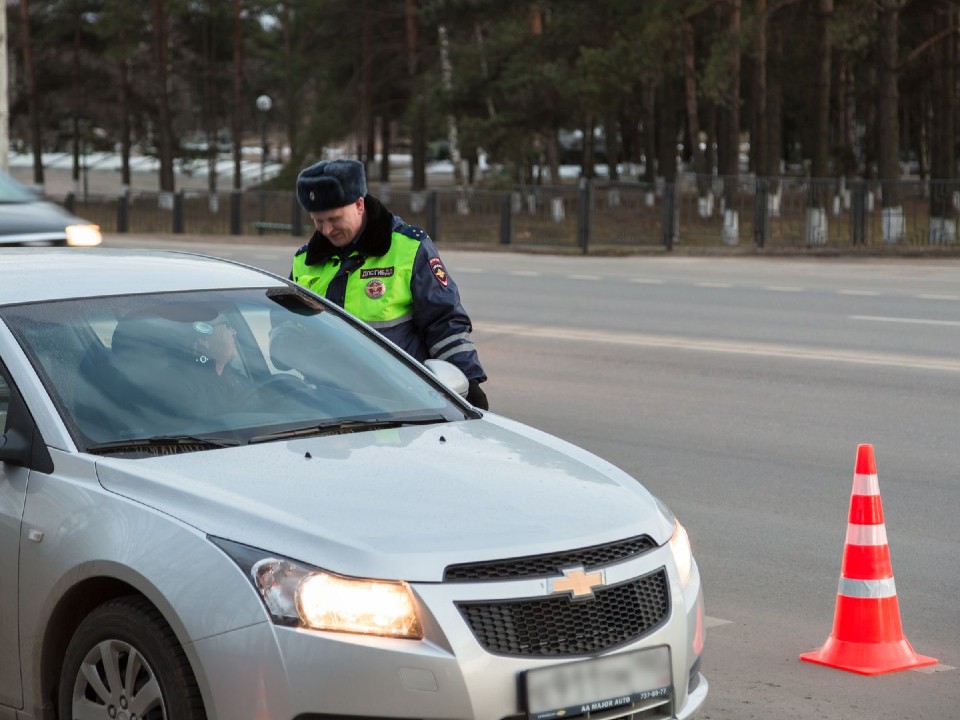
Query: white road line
x=909 y=321
x=931 y=669
x=713 y=285
x=710 y=622
x=938 y=297
x=783 y=288
x=864 y=293
x=583 y=277
x=786 y=352
x=646 y=281
x=525 y=273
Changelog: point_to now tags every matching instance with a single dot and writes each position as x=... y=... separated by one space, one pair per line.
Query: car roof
x=38 y=274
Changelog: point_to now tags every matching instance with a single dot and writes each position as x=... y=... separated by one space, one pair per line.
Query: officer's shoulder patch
x=302 y=250
x=412 y=231
x=439 y=271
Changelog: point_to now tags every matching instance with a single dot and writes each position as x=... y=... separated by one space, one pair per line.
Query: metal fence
x=591 y=216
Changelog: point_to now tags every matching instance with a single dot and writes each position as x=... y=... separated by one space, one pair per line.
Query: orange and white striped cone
x=867 y=637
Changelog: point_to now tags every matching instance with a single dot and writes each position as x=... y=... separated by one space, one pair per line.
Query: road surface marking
x=673 y=342
x=938 y=297
x=525 y=273
x=583 y=277
x=646 y=281
x=864 y=293
x=930 y=670
x=909 y=321
x=784 y=288
x=713 y=285
x=710 y=622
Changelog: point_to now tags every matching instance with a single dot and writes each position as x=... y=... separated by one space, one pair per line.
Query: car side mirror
x=450 y=375
x=15 y=448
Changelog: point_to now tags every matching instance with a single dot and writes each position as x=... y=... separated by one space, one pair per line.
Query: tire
x=124 y=663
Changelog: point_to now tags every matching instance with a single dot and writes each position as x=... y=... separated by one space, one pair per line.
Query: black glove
x=476 y=396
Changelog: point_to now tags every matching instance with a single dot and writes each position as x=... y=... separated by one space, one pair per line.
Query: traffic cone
x=867 y=637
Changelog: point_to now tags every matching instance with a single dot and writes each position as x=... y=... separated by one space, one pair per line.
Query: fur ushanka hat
x=331 y=184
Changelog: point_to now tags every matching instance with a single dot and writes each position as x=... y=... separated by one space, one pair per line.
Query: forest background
x=821 y=88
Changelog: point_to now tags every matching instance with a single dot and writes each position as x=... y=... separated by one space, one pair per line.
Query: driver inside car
x=215 y=345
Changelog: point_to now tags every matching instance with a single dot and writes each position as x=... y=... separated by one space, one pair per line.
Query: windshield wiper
x=341 y=427
x=134 y=444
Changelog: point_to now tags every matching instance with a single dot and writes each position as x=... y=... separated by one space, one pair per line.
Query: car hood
x=398 y=504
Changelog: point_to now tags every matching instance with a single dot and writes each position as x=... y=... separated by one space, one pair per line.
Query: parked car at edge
x=223 y=498
x=28 y=219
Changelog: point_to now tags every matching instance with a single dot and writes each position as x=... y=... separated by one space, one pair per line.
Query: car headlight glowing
x=83 y=235
x=331 y=602
x=303 y=596
x=682 y=554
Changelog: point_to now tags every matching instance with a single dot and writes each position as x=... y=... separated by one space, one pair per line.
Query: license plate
x=598 y=684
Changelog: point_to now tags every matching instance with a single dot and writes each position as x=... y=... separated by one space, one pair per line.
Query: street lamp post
x=264 y=103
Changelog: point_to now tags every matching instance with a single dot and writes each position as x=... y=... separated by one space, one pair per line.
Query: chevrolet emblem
x=577 y=582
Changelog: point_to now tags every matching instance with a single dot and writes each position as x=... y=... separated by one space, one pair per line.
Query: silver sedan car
x=221 y=497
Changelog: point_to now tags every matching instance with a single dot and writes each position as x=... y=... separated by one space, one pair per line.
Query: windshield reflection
x=216 y=368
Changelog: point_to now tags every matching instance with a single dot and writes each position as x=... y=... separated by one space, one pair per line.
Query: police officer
x=381 y=270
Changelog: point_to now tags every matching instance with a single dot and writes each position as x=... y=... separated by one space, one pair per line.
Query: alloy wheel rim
x=115 y=682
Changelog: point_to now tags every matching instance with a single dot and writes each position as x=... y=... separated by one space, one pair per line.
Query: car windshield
x=209 y=369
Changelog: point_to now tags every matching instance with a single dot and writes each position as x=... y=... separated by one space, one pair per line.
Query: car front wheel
x=124 y=661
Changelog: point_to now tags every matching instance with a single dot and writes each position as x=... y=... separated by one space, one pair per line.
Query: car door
x=13 y=486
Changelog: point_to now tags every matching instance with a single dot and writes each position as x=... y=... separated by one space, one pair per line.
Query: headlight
x=296 y=594
x=679 y=543
x=682 y=554
x=83 y=235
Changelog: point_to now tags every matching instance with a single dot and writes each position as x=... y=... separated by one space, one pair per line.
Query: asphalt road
x=738 y=390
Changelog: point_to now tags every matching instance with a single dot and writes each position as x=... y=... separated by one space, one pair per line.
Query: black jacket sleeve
x=439 y=314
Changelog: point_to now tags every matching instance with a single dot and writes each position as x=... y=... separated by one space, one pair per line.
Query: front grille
x=552 y=564
x=558 y=626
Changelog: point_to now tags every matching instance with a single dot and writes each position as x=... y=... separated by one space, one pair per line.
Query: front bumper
x=267 y=671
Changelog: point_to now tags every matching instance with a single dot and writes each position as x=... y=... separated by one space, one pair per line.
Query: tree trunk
x=207 y=113
x=236 y=119
x=365 y=121
x=289 y=86
x=446 y=78
x=889 y=124
x=588 y=159
x=693 y=119
x=667 y=132
x=123 y=72
x=611 y=133
x=165 y=139
x=33 y=102
x=650 y=151
x=821 y=146
x=77 y=107
x=730 y=169
x=773 y=140
x=419 y=133
x=816 y=228
x=943 y=212
x=846 y=121
x=553 y=157
x=385 y=142
x=945 y=98
x=758 y=141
